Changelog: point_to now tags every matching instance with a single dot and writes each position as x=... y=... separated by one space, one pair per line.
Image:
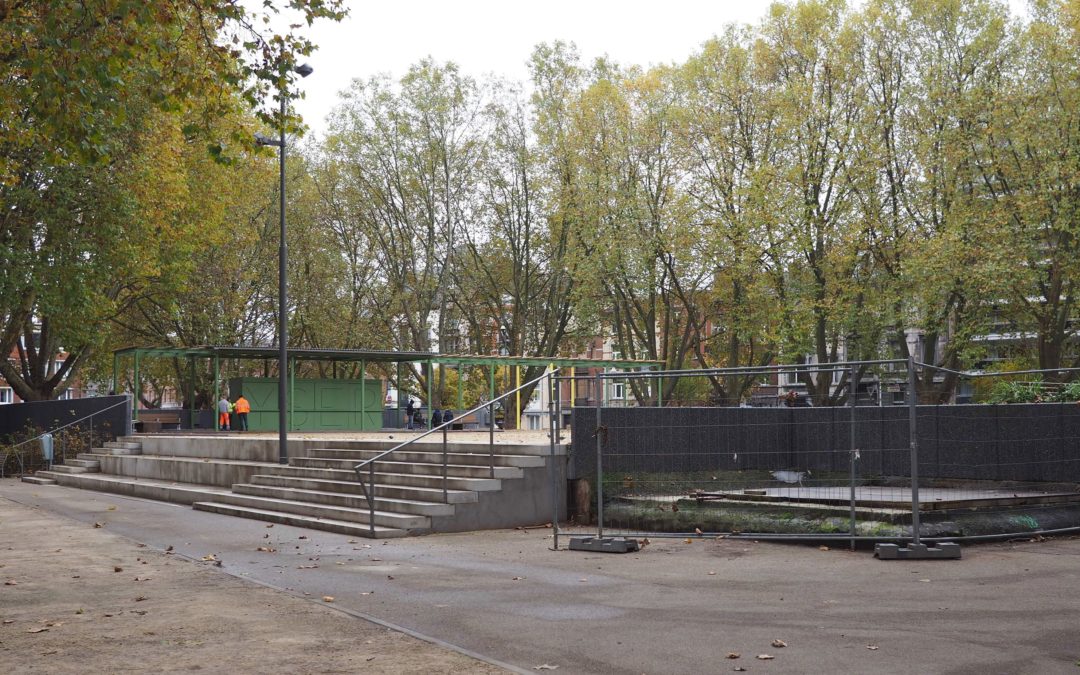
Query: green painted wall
x=317 y=405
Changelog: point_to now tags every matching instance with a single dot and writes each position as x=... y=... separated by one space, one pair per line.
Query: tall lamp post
x=283 y=257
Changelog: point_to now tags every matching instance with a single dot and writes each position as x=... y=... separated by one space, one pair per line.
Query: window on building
x=6 y=395
x=618 y=390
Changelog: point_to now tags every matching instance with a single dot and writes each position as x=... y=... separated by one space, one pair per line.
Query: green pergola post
x=292 y=392
x=460 y=387
x=363 y=394
x=191 y=393
x=397 y=416
x=138 y=389
x=430 y=404
x=217 y=393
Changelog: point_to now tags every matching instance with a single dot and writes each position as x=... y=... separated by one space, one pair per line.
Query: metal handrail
x=90 y=417
x=369 y=489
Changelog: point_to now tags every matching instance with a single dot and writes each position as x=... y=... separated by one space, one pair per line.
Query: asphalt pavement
x=673 y=607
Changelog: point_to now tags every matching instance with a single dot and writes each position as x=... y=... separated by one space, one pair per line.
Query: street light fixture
x=283 y=257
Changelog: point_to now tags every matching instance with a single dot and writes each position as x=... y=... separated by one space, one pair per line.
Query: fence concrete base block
x=603 y=544
x=946 y=551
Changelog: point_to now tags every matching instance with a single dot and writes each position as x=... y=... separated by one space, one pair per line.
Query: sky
x=497 y=36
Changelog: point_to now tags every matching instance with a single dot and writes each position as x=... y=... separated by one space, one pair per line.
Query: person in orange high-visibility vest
x=242 y=408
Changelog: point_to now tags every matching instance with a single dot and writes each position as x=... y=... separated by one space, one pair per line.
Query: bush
x=1017 y=392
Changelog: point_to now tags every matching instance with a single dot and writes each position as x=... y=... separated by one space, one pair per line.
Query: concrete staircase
x=318 y=488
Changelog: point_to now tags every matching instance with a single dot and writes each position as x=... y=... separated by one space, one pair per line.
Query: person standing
x=223 y=407
x=409 y=410
x=242 y=408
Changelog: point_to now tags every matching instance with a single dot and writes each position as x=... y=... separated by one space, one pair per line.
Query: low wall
x=46 y=415
x=1036 y=442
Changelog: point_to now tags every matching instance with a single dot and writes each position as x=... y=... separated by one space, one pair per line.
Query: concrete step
x=385 y=478
x=163 y=491
x=71 y=468
x=432 y=457
x=402 y=521
x=418 y=468
x=106 y=450
x=123 y=445
x=351 y=486
x=217 y=472
x=91 y=464
x=356 y=500
x=338 y=526
x=38 y=480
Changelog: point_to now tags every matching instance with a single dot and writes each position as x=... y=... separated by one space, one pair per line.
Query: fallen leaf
x=140 y=598
x=266 y=536
x=11 y=582
x=353 y=541
x=117 y=569
x=925 y=581
x=270 y=525
x=823 y=548
x=39 y=629
x=733 y=655
x=79 y=610
x=872 y=648
x=674 y=507
x=327 y=598
x=98 y=525
x=303 y=537
x=583 y=580
x=209 y=558
x=739 y=669
x=266 y=549
x=697 y=531
x=142 y=578
x=765 y=657
x=518 y=579
x=390 y=577
x=712 y=574
x=689 y=541
x=544 y=666
x=111 y=508
x=307 y=567
x=168 y=549
x=778 y=643
x=7 y=621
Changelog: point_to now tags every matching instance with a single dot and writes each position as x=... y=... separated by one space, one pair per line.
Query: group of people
x=414 y=420
x=237 y=410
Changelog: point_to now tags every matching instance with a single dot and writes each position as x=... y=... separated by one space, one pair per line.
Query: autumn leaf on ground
x=765 y=657
x=733 y=655
x=209 y=558
x=872 y=648
x=327 y=598
x=267 y=549
x=778 y=643
x=11 y=582
x=518 y=579
x=544 y=666
x=168 y=549
x=739 y=669
x=140 y=598
x=689 y=541
x=117 y=569
x=98 y=525
x=823 y=548
x=39 y=629
x=111 y=508
x=270 y=525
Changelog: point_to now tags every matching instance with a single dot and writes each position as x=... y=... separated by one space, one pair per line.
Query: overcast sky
x=497 y=36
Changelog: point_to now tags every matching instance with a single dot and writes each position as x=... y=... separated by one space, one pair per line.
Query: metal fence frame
x=912 y=367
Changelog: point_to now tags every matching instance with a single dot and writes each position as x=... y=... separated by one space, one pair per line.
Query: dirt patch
x=75 y=599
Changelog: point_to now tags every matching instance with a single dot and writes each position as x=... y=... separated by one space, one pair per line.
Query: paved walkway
x=672 y=608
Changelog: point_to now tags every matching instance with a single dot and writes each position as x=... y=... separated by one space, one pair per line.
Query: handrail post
x=491 y=438
x=444 y=464
x=371 y=499
x=553 y=466
x=853 y=389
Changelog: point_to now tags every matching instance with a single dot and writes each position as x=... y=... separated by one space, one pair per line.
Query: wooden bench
x=156 y=420
x=473 y=421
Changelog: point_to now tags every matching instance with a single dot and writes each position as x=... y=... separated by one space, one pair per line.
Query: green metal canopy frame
x=362 y=356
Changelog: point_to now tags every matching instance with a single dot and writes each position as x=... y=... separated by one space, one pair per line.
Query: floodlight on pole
x=283 y=257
